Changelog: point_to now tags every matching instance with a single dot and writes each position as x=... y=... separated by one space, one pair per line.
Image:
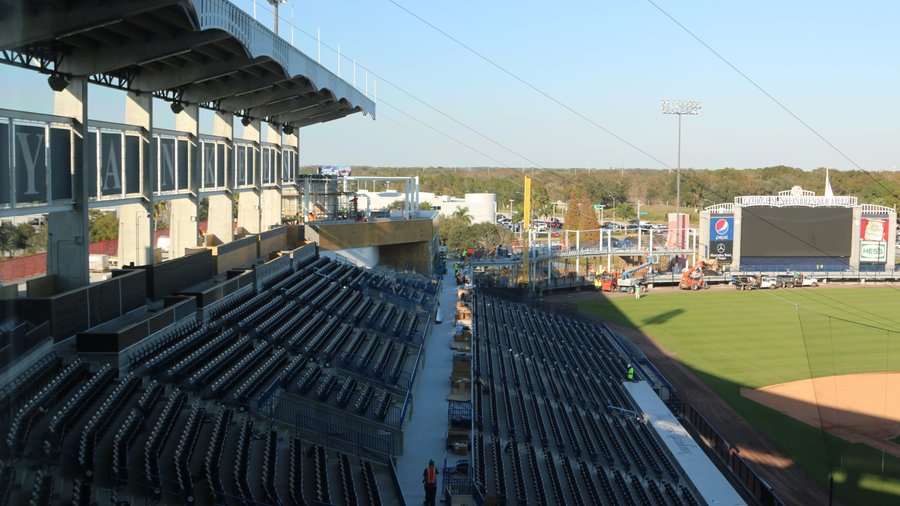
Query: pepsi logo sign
x=721 y=227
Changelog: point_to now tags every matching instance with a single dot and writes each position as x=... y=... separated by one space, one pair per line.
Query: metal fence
x=752 y=483
x=333 y=430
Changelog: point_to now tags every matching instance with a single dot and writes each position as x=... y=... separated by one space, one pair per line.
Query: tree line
x=699 y=187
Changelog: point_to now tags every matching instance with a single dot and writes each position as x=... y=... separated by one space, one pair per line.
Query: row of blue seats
x=186 y=342
x=76 y=405
x=188 y=364
x=96 y=426
x=174 y=427
x=42 y=488
x=57 y=388
x=28 y=383
x=171 y=338
x=241 y=471
x=157 y=439
x=7 y=481
x=184 y=451
x=269 y=466
x=551 y=393
x=229 y=303
x=244 y=364
x=212 y=462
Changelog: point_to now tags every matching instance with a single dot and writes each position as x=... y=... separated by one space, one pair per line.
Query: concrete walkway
x=426 y=431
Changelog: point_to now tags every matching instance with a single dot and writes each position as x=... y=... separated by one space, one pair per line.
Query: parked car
x=769 y=282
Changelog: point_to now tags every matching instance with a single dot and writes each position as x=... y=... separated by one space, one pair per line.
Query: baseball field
x=808 y=367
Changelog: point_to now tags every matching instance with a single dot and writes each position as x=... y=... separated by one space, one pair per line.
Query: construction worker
x=429 y=478
x=630 y=372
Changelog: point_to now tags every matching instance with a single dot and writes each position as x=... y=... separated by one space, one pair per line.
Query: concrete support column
x=736 y=246
x=136 y=223
x=221 y=207
x=854 y=243
x=703 y=227
x=67 y=242
x=290 y=196
x=183 y=221
x=891 y=243
x=270 y=199
x=249 y=202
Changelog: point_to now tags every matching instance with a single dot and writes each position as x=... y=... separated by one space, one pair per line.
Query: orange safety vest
x=430 y=475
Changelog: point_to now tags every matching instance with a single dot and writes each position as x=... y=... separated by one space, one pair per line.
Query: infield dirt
x=860 y=408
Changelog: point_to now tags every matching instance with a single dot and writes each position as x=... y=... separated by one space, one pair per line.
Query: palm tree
x=462 y=214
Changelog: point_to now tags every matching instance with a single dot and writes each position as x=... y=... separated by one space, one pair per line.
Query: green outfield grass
x=734 y=339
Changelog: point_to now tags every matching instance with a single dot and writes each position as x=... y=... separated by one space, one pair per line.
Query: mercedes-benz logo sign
x=720 y=248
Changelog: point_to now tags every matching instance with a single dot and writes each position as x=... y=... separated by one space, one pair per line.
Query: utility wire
x=816 y=396
x=530 y=85
x=876 y=318
x=454 y=139
x=770 y=96
x=874 y=326
x=521 y=80
x=558 y=102
x=553 y=173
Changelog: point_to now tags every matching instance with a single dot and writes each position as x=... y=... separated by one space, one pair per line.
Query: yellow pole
x=526 y=231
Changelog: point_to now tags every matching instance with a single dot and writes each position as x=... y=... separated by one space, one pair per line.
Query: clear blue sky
x=834 y=64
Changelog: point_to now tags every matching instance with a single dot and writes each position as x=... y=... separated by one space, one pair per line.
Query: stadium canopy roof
x=206 y=52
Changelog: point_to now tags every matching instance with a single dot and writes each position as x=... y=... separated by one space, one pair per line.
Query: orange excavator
x=693 y=279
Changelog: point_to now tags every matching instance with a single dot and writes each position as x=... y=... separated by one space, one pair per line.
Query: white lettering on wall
x=30 y=158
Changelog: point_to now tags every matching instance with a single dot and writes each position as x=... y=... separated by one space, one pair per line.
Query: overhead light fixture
x=246 y=121
x=177 y=107
x=58 y=82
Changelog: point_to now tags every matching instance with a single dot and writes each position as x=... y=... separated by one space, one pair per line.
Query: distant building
x=482 y=206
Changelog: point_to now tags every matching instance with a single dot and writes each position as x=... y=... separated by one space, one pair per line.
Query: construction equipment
x=796 y=279
x=628 y=283
x=750 y=282
x=694 y=279
x=605 y=283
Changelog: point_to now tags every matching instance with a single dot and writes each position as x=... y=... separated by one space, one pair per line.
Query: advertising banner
x=221 y=160
x=166 y=158
x=5 y=173
x=873 y=230
x=266 y=166
x=872 y=251
x=721 y=250
x=60 y=163
x=208 y=152
x=35 y=163
x=335 y=170
x=721 y=238
x=721 y=229
x=30 y=163
x=110 y=172
x=132 y=164
x=240 y=166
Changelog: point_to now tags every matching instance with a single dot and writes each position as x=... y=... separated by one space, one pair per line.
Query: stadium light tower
x=681 y=108
x=274 y=4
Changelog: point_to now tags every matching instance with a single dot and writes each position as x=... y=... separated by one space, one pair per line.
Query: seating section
x=551 y=417
x=181 y=423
